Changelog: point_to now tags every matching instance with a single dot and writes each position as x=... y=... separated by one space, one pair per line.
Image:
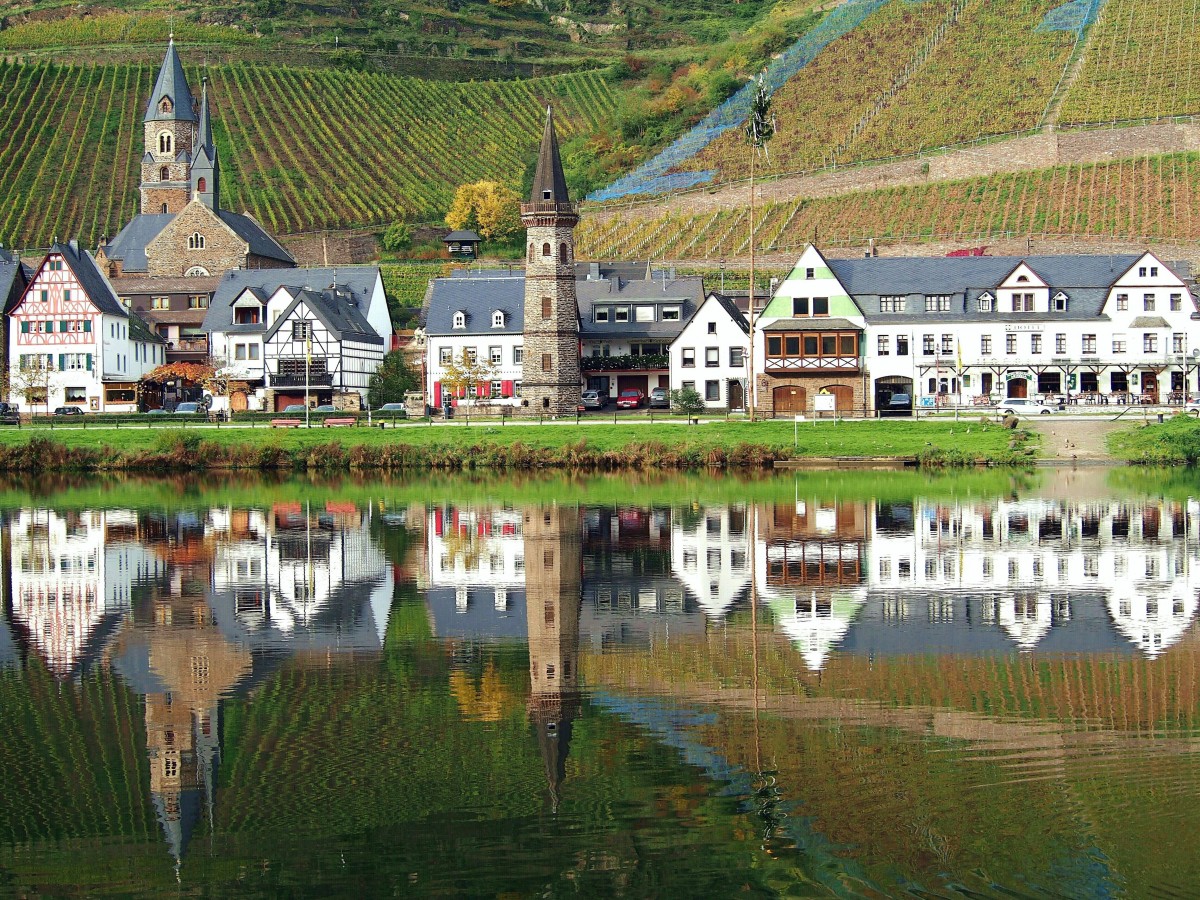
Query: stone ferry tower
x=550 y=376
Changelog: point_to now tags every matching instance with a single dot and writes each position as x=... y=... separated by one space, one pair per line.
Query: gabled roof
x=461 y=237
x=688 y=292
x=171 y=83
x=478 y=297
x=261 y=243
x=549 y=173
x=91 y=279
x=358 y=280
x=129 y=246
x=14 y=276
x=726 y=303
x=337 y=312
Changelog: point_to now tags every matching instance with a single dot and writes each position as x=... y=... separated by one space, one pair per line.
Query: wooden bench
x=286 y=423
x=339 y=423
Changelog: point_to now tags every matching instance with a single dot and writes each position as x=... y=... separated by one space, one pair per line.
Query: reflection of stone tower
x=196 y=666
x=550 y=379
x=553 y=563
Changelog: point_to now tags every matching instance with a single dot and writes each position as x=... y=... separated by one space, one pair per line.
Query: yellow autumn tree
x=487 y=207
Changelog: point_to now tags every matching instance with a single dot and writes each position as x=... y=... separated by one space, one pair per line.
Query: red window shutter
x=484 y=389
x=437 y=393
x=506 y=389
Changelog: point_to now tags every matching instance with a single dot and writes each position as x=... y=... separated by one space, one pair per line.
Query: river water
x=867 y=684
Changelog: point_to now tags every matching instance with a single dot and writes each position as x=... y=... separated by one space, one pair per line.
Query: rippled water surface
x=853 y=684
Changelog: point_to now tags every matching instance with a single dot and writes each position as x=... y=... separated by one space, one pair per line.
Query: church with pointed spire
x=181 y=229
x=550 y=384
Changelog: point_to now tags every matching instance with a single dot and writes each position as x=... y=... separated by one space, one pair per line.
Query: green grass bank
x=733 y=445
x=1176 y=442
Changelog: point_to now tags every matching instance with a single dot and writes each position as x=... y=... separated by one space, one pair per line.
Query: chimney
x=593 y=271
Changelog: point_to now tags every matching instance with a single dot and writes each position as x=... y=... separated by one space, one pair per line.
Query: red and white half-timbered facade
x=72 y=342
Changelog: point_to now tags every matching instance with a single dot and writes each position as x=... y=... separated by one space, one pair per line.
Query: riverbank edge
x=1173 y=443
x=187 y=451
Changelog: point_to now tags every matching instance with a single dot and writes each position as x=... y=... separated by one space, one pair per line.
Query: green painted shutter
x=89 y=362
x=24 y=327
x=62 y=362
x=62 y=326
x=87 y=325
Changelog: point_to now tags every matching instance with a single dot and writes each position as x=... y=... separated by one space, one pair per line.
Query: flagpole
x=753 y=396
x=307 y=363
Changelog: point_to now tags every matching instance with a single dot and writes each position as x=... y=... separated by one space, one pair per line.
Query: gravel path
x=1083 y=440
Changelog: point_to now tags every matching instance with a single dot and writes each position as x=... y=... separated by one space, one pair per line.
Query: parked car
x=1192 y=407
x=399 y=410
x=294 y=408
x=630 y=399
x=188 y=408
x=9 y=414
x=595 y=399
x=1024 y=406
x=156 y=412
x=660 y=398
x=898 y=405
x=325 y=408
x=68 y=411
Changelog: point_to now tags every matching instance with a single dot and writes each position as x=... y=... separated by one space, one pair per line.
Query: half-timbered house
x=72 y=342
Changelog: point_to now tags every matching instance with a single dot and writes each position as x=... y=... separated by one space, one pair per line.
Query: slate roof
x=173 y=83
x=1149 y=322
x=688 y=292
x=548 y=176
x=12 y=270
x=814 y=324
x=457 y=237
x=130 y=244
x=337 y=312
x=1085 y=279
x=478 y=297
x=140 y=331
x=99 y=291
x=359 y=280
x=157 y=286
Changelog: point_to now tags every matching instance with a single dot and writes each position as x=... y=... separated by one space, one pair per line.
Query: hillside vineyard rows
x=1150 y=198
x=301 y=149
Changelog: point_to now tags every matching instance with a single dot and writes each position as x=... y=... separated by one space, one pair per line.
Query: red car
x=630 y=399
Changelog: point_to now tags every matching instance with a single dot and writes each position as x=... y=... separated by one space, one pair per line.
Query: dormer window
x=460 y=319
x=1059 y=302
x=1022 y=279
x=987 y=303
x=166 y=106
x=547 y=195
x=498 y=319
x=600 y=314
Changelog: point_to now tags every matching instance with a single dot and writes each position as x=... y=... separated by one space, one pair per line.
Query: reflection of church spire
x=553 y=562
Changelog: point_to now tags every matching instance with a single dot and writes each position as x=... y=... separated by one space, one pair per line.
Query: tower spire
x=206 y=138
x=549 y=182
x=172 y=86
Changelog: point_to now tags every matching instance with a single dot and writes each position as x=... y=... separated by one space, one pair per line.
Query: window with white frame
x=239 y=351
x=445 y=355
x=937 y=303
x=1022 y=302
x=1060 y=343
x=947 y=344
x=1035 y=343
x=1119 y=343
x=472 y=355
x=1059 y=303
x=670 y=313
x=987 y=303
x=74 y=362
x=1149 y=342
x=621 y=314
x=985 y=345
x=1177 y=343
x=600 y=314
x=1148 y=302
x=892 y=304
x=496 y=355
x=902 y=345
x=518 y=355
x=1089 y=344
x=1122 y=302
x=460 y=319
x=498 y=319
x=1176 y=302
x=883 y=345
x=1010 y=343
x=643 y=313
x=927 y=346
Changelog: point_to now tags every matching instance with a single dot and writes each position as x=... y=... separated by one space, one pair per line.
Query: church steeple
x=206 y=170
x=551 y=383
x=170 y=133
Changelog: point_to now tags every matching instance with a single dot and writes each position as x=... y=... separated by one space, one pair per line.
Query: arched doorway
x=238 y=402
x=1017 y=387
x=789 y=400
x=843 y=396
x=894 y=386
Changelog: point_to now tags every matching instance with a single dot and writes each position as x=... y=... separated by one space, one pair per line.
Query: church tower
x=550 y=376
x=206 y=169
x=553 y=580
x=170 y=133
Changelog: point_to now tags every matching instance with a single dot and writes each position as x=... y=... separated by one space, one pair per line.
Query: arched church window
x=165 y=142
x=196 y=272
x=547 y=307
x=546 y=251
x=164 y=174
x=164 y=209
x=202 y=185
x=196 y=241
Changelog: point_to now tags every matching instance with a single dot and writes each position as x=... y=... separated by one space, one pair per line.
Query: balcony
x=292 y=380
x=191 y=346
x=628 y=363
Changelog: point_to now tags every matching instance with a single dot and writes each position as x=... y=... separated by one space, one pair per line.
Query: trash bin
x=1160 y=418
x=448 y=411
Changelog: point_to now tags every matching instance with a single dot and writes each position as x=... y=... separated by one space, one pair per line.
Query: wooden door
x=790 y=400
x=238 y=401
x=843 y=394
x=736 y=401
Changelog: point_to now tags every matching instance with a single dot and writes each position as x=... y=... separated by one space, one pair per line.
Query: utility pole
x=759 y=129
